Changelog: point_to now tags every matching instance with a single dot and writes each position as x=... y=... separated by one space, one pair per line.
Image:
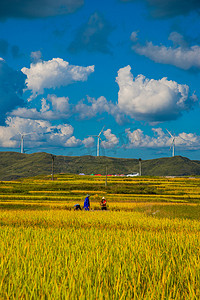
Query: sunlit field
x=145 y=246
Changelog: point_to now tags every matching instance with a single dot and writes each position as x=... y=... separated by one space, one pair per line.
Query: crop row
x=98 y=255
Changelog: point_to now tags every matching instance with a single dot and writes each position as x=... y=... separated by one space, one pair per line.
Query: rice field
x=145 y=246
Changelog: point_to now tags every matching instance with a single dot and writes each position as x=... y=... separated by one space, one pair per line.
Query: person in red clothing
x=103 y=203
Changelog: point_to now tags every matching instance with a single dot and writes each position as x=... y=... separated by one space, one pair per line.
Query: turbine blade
x=101 y=131
x=170 y=133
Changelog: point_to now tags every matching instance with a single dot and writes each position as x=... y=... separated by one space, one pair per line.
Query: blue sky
x=69 y=68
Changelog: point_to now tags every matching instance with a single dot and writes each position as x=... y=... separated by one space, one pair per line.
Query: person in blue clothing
x=87 y=202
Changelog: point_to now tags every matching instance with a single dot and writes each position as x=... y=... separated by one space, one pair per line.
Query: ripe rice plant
x=145 y=246
x=98 y=255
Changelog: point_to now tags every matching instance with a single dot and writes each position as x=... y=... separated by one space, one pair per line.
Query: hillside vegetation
x=15 y=165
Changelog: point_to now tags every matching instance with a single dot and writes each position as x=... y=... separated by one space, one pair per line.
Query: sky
x=130 y=69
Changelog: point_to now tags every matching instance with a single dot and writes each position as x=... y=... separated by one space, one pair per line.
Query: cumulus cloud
x=161 y=139
x=40 y=133
x=180 y=55
x=92 y=36
x=37 y=8
x=111 y=140
x=96 y=106
x=138 y=139
x=73 y=142
x=60 y=134
x=12 y=84
x=88 y=142
x=52 y=108
x=60 y=104
x=57 y=108
x=53 y=74
x=170 y=8
x=6 y=137
x=10 y=133
x=101 y=105
x=152 y=100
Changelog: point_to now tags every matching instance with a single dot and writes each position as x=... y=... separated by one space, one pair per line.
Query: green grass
x=18 y=165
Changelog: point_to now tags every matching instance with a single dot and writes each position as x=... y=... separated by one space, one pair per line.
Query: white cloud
x=180 y=55
x=152 y=100
x=6 y=135
x=57 y=108
x=45 y=107
x=40 y=133
x=52 y=108
x=88 y=142
x=10 y=134
x=73 y=142
x=53 y=74
x=59 y=104
x=98 y=106
x=111 y=140
x=30 y=113
x=161 y=139
x=62 y=130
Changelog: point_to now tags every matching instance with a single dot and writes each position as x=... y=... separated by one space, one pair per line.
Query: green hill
x=15 y=165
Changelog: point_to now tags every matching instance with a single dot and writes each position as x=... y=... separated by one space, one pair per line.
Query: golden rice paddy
x=145 y=246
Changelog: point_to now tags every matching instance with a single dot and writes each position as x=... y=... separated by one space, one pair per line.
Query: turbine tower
x=22 y=141
x=98 y=140
x=173 y=143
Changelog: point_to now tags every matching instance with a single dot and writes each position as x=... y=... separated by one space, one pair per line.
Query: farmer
x=77 y=207
x=103 y=203
x=87 y=202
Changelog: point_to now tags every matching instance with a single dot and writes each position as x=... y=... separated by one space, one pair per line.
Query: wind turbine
x=173 y=143
x=22 y=141
x=98 y=140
